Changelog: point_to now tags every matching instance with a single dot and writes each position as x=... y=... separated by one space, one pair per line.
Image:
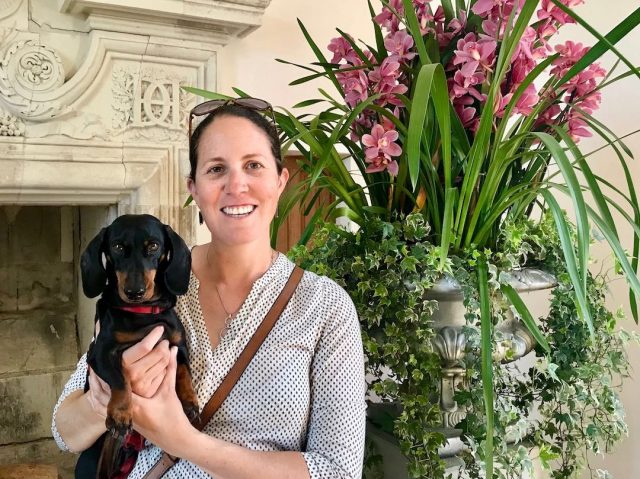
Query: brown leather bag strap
x=166 y=461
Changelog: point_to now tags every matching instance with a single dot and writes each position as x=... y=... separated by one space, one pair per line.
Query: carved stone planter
x=450 y=343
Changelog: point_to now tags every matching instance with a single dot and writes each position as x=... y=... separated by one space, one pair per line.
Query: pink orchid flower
x=570 y=52
x=387 y=19
x=527 y=101
x=342 y=50
x=467 y=114
x=577 y=127
x=479 y=53
x=548 y=11
x=381 y=163
x=381 y=142
x=387 y=72
x=399 y=45
x=355 y=86
x=464 y=82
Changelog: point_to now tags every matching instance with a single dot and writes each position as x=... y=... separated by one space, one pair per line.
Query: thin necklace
x=230 y=315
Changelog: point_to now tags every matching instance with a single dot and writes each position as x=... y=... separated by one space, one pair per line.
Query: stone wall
x=38 y=333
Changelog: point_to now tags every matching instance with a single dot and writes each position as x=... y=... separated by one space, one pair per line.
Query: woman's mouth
x=238 y=211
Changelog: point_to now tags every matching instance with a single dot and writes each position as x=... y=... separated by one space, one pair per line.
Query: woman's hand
x=145 y=363
x=160 y=418
x=98 y=394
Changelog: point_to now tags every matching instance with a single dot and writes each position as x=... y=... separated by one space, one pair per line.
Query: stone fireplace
x=92 y=125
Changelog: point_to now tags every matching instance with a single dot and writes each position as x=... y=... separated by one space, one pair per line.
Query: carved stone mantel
x=200 y=20
x=91 y=105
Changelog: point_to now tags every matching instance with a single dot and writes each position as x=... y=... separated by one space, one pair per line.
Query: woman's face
x=236 y=185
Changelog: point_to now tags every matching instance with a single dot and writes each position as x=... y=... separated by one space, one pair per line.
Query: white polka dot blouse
x=303 y=391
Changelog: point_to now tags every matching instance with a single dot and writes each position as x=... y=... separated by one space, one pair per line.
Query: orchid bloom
x=478 y=53
x=342 y=50
x=387 y=19
x=399 y=44
x=549 y=11
x=381 y=147
x=381 y=142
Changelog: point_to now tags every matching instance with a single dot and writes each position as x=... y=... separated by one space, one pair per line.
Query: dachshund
x=147 y=266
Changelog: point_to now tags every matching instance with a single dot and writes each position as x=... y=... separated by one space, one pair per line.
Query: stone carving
x=10 y=125
x=150 y=105
x=27 y=69
x=8 y=7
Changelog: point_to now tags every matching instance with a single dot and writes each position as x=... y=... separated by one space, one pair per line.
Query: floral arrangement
x=469 y=115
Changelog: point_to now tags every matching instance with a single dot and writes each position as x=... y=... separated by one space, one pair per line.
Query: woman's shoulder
x=326 y=291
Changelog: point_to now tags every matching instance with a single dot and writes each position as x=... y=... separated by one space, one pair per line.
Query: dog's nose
x=134 y=294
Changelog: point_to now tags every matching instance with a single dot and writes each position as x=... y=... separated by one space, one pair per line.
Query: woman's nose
x=236 y=182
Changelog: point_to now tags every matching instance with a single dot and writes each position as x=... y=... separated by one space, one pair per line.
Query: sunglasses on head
x=210 y=106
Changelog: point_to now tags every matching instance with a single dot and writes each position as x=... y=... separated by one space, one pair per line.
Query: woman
x=298 y=411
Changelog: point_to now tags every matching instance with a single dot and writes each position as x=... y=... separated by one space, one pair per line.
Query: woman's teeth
x=238 y=210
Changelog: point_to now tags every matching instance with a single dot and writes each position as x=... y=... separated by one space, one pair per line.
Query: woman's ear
x=283 y=178
x=191 y=186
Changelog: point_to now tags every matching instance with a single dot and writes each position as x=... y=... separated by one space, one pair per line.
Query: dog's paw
x=191 y=411
x=119 y=427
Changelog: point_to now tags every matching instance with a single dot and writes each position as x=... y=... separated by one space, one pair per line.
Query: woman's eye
x=254 y=165
x=215 y=169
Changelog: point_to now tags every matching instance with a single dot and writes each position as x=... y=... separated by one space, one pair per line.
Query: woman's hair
x=253 y=116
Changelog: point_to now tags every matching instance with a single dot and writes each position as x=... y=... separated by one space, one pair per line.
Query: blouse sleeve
x=335 y=439
x=75 y=382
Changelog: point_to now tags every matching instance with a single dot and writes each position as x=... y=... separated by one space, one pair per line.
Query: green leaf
x=206 y=94
x=582 y=221
x=321 y=58
x=446 y=226
x=486 y=325
x=356 y=48
x=381 y=52
x=304 y=67
x=431 y=84
x=570 y=259
x=515 y=299
x=414 y=28
x=606 y=43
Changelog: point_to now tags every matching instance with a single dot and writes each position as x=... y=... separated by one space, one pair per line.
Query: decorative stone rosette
x=28 y=71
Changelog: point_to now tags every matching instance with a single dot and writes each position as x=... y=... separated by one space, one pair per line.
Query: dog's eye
x=153 y=247
x=118 y=248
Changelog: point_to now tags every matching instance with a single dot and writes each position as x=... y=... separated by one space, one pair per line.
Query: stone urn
x=450 y=343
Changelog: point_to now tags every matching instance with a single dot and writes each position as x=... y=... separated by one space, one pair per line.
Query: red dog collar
x=142 y=309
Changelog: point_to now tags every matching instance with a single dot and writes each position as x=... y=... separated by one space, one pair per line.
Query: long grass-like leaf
x=570 y=259
x=320 y=56
x=414 y=28
x=516 y=301
x=486 y=350
x=431 y=84
x=206 y=94
x=606 y=43
x=582 y=221
x=446 y=234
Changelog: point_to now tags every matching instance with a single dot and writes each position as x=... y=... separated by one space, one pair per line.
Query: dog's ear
x=176 y=276
x=94 y=276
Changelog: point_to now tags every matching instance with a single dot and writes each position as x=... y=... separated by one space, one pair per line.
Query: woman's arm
x=79 y=417
x=77 y=421
x=218 y=458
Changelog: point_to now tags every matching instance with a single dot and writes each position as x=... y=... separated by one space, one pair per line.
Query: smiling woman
x=298 y=410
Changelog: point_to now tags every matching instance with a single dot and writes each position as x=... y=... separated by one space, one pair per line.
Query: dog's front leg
x=119 y=411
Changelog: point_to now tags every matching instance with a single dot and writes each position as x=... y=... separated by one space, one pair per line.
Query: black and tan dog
x=147 y=266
